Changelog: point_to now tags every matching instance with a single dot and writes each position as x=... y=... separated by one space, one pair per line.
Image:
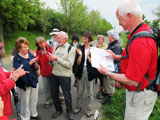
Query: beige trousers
x=81 y=84
x=109 y=85
x=139 y=105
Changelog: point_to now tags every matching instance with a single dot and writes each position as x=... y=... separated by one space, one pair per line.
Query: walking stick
x=15 y=95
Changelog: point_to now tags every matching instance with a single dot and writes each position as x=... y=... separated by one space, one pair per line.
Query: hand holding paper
x=100 y=56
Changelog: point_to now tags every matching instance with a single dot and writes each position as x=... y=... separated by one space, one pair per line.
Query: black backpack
x=155 y=83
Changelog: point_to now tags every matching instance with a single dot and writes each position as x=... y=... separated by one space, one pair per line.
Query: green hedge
x=116 y=110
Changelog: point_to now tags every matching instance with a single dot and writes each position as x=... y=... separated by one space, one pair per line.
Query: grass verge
x=116 y=110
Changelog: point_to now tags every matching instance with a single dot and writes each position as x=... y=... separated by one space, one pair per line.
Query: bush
x=29 y=35
x=116 y=110
x=124 y=39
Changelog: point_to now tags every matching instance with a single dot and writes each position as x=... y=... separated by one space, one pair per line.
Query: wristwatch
x=108 y=73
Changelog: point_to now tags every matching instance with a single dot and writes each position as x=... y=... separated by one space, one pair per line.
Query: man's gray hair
x=114 y=34
x=65 y=35
x=129 y=6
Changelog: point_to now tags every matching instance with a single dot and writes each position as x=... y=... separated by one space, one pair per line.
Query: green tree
x=19 y=13
x=145 y=20
x=76 y=15
x=95 y=19
x=156 y=23
x=98 y=24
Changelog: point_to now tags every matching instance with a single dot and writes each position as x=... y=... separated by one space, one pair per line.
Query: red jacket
x=5 y=118
x=142 y=60
x=6 y=84
x=43 y=61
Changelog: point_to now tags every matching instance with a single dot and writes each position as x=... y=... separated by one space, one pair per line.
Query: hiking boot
x=46 y=106
x=70 y=116
x=77 y=110
x=99 y=96
x=35 y=118
x=107 y=100
x=89 y=113
x=104 y=93
x=57 y=114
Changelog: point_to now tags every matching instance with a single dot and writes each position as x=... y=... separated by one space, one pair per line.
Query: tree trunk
x=1 y=32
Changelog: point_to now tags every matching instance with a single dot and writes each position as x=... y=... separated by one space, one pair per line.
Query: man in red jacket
x=7 y=82
x=142 y=61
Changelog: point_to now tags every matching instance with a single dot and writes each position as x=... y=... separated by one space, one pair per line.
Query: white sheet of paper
x=100 y=56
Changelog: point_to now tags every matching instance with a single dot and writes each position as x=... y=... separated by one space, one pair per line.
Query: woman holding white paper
x=109 y=84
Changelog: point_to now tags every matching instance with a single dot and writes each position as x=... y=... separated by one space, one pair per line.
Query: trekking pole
x=15 y=95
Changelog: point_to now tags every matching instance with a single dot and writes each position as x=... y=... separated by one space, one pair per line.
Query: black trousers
x=65 y=83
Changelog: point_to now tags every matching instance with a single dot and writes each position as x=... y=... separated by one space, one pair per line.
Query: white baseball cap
x=54 y=32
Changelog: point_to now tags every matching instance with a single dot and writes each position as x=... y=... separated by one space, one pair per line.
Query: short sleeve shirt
x=142 y=60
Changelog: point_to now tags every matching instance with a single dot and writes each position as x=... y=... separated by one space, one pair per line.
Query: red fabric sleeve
x=3 y=118
x=6 y=85
x=8 y=74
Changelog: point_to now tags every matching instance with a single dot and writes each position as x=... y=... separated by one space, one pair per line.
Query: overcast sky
x=108 y=8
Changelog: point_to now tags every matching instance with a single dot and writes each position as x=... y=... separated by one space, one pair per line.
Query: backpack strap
x=141 y=34
x=69 y=48
x=56 y=48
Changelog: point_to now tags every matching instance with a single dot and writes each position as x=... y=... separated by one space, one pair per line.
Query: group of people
x=58 y=60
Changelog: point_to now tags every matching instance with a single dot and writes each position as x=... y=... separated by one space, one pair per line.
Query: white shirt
x=86 y=51
x=53 y=43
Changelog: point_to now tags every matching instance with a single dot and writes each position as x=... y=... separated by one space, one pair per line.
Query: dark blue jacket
x=116 y=48
x=30 y=79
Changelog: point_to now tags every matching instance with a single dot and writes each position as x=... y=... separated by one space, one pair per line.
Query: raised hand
x=34 y=60
x=88 y=53
x=79 y=51
x=53 y=58
x=112 y=53
x=15 y=74
x=98 y=45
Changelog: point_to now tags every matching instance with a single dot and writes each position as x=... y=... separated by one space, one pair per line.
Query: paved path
x=46 y=114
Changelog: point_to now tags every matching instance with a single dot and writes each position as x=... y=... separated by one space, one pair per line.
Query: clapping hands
x=34 y=60
x=15 y=74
